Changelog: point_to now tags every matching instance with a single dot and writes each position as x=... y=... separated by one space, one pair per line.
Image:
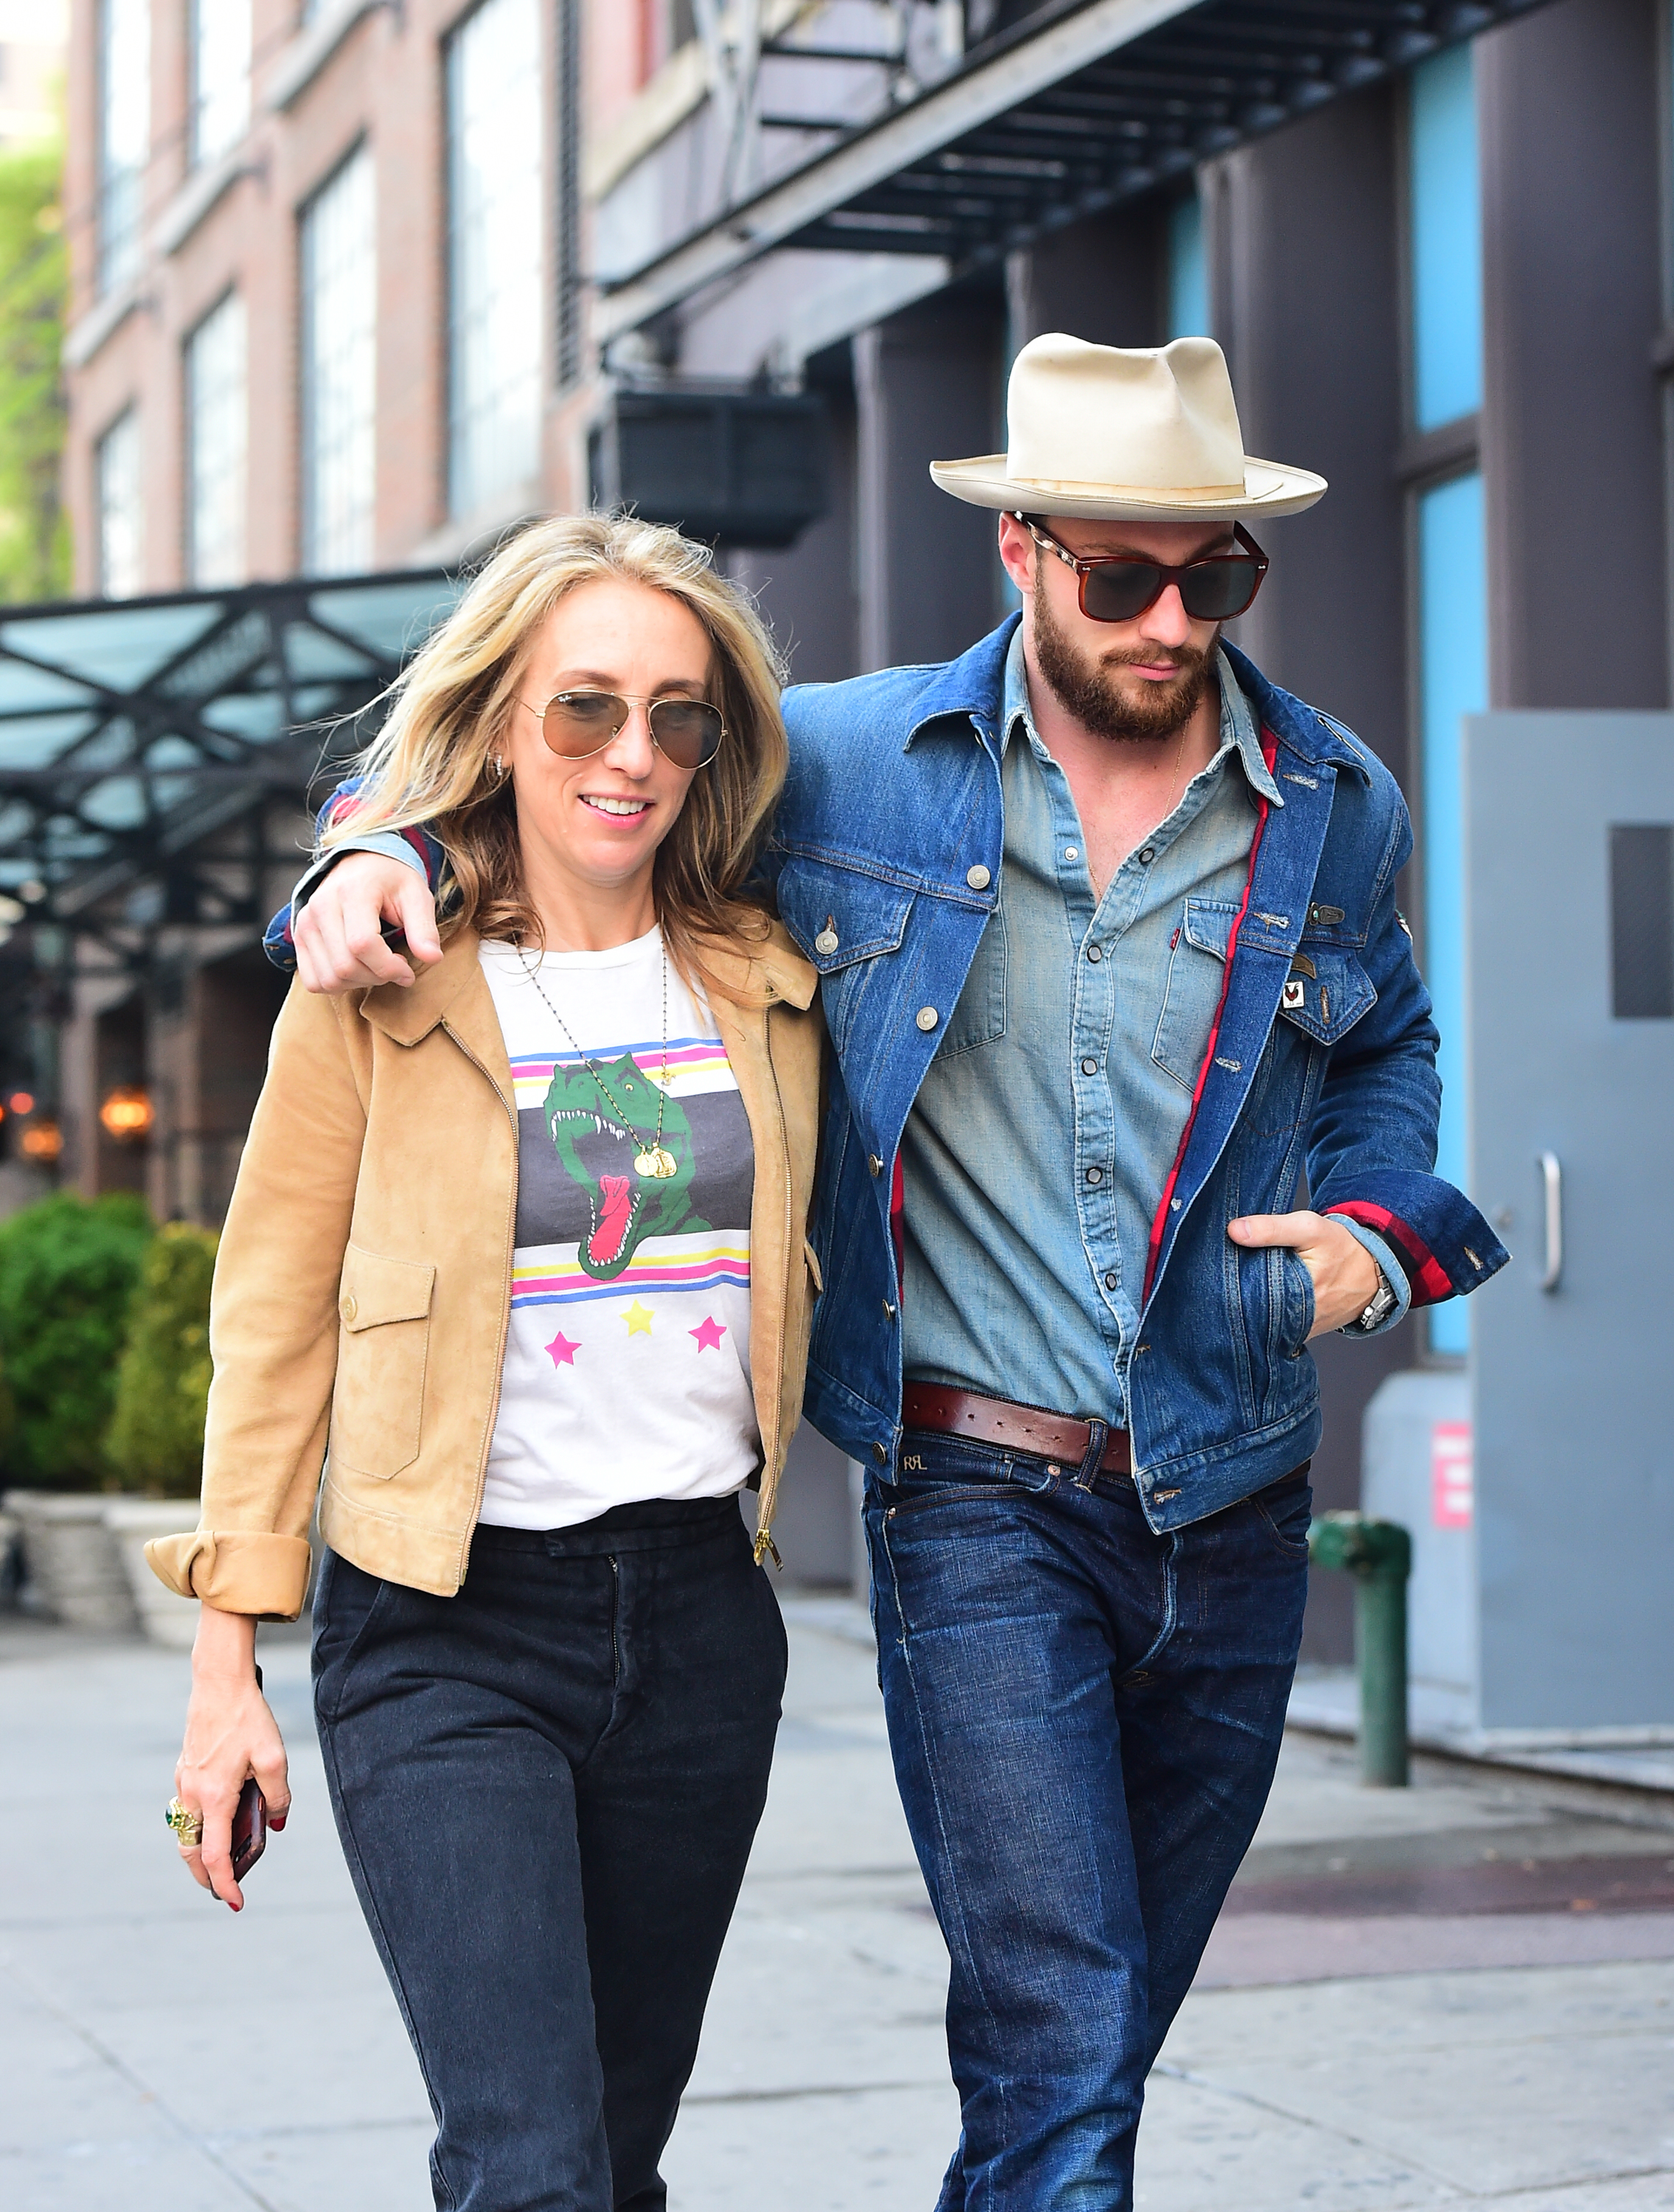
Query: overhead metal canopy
x=1083 y=105
x=131 y=729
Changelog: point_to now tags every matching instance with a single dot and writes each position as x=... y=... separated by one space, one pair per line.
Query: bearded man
x=1110 y=956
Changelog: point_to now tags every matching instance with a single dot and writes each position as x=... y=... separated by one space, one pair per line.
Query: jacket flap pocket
x=375 y=1290
x=838 y=915
x=1327 y=993
x=1208 y=924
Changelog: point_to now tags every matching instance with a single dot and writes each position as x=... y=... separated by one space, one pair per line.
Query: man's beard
x=1087 y=689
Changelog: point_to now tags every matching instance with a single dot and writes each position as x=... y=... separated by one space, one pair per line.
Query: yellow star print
x=638 y=1318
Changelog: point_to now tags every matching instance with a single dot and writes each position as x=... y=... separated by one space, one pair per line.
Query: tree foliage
x=34 y=538
x=162 y=1386
x=67 y=1270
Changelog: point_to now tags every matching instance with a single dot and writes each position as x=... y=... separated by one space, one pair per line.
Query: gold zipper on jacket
x=765 y=1542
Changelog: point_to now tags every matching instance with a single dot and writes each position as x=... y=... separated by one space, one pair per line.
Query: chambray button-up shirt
x=1035 y=1155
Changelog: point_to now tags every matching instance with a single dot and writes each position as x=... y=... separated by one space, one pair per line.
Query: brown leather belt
x=952 y=1412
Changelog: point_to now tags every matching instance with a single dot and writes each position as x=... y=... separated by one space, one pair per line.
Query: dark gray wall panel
x=927 y=386
x=1572 y=434
x=1100 y=280
x=1302 y=234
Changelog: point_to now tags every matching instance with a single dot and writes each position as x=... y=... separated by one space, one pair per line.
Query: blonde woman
x=518 y=1253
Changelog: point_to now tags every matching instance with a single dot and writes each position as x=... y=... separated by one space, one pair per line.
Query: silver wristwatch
x=1382 y=1304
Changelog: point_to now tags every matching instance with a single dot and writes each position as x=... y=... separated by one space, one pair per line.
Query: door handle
x=1551 y=1176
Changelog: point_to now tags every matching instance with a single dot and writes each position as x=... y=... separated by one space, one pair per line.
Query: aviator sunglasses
x=1119 y=587
x=577 y=724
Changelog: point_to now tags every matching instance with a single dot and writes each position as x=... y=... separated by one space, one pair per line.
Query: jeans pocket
x=347 y=1605
x=1285 y=1510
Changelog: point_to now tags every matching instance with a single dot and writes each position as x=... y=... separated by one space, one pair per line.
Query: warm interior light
x=128 y=1112
x=42 y=1140
x=22 y=1101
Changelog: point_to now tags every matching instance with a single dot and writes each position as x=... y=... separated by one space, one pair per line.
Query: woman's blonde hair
x=430 y=764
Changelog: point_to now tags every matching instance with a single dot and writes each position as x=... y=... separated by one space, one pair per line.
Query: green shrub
x=67 y=1275
x=162 y=1386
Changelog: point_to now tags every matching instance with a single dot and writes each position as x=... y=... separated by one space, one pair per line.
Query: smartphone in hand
x=249 y=1828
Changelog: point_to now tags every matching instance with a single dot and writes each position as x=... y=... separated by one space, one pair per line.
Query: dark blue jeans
x=546 y=1788
x=1084 y=1718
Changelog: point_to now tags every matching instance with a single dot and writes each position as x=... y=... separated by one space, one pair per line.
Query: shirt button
x=1146 y=854
x=1072 y=852
x=348 y=1308
x=876 y=1164
x=1089 y=1068
x=1095 y=1175
x=1094 y=952
x=880 y=1455
x=1111 y=1280
x=928 y=1018
x=978 y=878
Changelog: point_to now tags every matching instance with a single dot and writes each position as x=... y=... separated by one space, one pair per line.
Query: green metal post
x=1379 y=1555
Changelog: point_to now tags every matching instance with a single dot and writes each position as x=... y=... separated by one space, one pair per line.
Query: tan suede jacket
x=364 y=1289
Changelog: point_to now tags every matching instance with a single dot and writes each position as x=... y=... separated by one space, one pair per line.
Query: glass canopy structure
x=132 y=730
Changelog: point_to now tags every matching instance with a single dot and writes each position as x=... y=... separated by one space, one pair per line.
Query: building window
x=494 y=182
x=1445 y=262
x=124 y=135
x=1188 y=271
x=116 y=489
x=340 y=366
x=217 y=440
x=220 y=75
x=1446 y=235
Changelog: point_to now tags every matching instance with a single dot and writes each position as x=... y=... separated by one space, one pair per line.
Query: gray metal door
x=1569 y=902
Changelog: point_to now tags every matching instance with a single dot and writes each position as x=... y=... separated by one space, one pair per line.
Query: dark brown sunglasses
x=1119 y=587
x=577 y=724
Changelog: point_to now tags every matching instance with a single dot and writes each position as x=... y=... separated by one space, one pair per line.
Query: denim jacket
x=1321 y=1057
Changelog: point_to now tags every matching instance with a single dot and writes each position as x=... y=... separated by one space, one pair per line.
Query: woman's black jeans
x=546 y=1788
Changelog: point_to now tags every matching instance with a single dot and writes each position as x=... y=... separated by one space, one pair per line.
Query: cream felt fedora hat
x=1126 y=434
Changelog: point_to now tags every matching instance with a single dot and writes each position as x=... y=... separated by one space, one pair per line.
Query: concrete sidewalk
x=1455 y=1994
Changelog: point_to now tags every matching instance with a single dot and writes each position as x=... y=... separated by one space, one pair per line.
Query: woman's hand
x=230 y=1735
x=1345 y=1274
x=338 y=935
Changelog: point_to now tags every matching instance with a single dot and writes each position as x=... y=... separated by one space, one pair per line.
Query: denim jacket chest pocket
x=1326 y=992
x=841 y=919
x=1196 y=973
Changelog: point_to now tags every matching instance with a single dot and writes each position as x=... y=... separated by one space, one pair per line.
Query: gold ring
x=188 y=1826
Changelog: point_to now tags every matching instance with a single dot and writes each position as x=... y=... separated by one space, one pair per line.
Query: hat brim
x=1269 y=489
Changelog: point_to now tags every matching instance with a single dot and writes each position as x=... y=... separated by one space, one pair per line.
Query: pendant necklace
x=652 y=1160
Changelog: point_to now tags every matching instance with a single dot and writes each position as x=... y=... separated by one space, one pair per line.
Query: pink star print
x=709 y=1335
x=563 y=1351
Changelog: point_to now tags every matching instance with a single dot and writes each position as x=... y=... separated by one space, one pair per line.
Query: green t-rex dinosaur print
x=626 y=1208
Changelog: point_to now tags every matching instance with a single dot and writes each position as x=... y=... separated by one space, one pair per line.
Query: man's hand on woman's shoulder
x=339 y=934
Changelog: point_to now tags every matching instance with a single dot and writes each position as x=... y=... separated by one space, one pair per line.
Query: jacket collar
x=763 y=971
x=406 y=1014
x=972 y=687
x=1303 y=728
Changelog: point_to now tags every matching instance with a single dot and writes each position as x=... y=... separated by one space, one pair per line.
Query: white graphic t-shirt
x=627 y=1370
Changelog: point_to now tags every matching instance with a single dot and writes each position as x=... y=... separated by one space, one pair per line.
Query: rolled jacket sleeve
x=1394 y=1274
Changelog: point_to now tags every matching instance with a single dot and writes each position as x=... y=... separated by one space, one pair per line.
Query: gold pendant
x=656 y=1160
